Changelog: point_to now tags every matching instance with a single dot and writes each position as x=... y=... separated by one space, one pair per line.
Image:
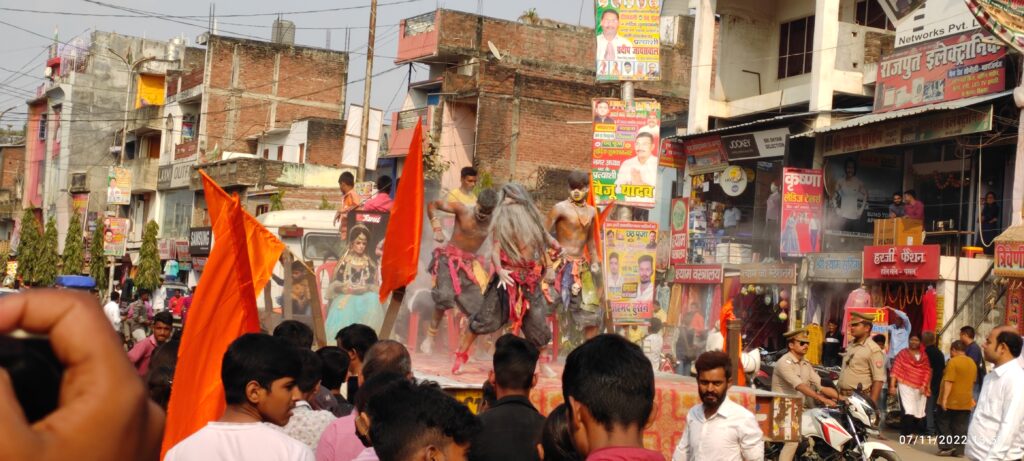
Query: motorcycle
x=839 y=434
x=763 y=376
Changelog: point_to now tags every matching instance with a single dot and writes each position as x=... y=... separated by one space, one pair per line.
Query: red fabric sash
x=912 y=372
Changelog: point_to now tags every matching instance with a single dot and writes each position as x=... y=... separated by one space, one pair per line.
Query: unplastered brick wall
x=244 y=99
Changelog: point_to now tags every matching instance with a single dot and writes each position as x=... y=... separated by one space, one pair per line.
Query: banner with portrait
x=628 y=34
x=678 y=218
x=119 y=186
x=115 y=231
x=801 y=221
x=624 y=151
x=629 y=261
x=858 y=190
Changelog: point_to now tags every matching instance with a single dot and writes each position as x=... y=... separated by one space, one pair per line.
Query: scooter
x=839 y=434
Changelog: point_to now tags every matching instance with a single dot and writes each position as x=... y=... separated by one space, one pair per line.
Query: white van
x=310 y=235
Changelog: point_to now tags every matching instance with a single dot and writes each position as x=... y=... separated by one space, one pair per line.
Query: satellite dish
x=494 y=50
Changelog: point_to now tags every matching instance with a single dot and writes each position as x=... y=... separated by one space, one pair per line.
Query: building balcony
x=417 y=37
x=146 y=119
x=403 y=126
x=145 y=173
x=186 y=149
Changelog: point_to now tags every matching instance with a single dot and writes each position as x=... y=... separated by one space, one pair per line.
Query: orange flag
x=401 y=255
x=602 y=217
x=224 y=308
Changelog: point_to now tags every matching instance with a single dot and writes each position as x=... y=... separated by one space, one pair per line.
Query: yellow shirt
x=457 y=195
x=961 y=372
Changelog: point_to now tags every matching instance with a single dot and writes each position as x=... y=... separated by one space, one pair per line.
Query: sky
x=22 y=55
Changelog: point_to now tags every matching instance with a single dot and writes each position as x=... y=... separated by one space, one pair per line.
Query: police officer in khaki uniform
x=864 y=363
x=795 y=375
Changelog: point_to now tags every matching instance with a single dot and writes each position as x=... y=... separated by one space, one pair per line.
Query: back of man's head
x=295 y=332
x=967 y=331
x=115 y=296
x=335 y=366
x=957 y=346
x=373 y=387
x=312 y=371
x=356 y=338
x=387 y=356
x=612 y=378
x=256 y=357
x=410 y=421
x=515 y=363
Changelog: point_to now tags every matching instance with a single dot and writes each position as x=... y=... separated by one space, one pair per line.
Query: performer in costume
x=574 y=281
x=459 y=275
x=514 y=296
x=355 y=287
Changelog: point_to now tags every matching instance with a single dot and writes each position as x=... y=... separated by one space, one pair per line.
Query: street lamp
x=128 y=95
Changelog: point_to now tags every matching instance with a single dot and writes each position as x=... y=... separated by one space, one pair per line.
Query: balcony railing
x=186 y=149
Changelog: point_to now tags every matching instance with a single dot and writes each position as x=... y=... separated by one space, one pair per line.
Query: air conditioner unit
x=78 y=182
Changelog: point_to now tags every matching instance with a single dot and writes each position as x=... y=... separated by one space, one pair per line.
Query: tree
x=49 y=260
x=530 y=16
x=149 y=259
x=27 y=247
x=324 y=204
x=277 y=201
x=97 y=261
x=74 y=246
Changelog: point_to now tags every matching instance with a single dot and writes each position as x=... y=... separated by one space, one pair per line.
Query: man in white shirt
x=718 y=428
x=645 y=266
x=112 y=309
x=995 y=430
x=641 y=170
x=610 y=46
x=614 y=278
x=258 y=374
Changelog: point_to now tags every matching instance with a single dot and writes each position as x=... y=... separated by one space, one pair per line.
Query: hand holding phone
x=104 y=412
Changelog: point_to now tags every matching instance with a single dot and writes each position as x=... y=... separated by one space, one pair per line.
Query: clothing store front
x=764 y=303
x=904 y=277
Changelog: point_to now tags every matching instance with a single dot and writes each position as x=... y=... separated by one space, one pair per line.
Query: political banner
x=680 y=233
x=1002 y=18
x=628 y=34
x=115 y=231
x=624 y=161
x=801 y=222
x=119 y=186
x=629 y=260
x=673 y=154
x=957 y=67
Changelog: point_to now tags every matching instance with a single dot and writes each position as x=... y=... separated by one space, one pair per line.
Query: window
x=796 y=47
x=260 y=209
x=42 y=127
x=177 y=211
x=280 y=153
x=266 y=153
x=302 y=152
x=153 y=146
x=871 y=14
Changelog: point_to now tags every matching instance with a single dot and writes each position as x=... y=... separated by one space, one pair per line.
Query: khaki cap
x=798 y=335
x=862 y=316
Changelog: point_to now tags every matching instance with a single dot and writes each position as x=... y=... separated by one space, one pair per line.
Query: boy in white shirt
x=653 y=343
x=258 y=373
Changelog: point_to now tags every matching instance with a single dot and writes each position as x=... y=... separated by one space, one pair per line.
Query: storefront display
x=1009 y=264
x=764 y=302
x=902 y=277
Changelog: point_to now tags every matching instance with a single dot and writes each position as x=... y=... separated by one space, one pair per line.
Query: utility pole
x=365 y=131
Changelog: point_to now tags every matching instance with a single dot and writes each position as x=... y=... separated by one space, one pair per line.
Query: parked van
x=312 y=237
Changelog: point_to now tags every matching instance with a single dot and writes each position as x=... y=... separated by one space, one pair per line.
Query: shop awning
x=766 y=121
x=896 y=114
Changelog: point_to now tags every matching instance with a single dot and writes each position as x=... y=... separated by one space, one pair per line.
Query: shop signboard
x=1009 y=259
x=705 y=154
x=114 y=236
x=119 y=186
x=801 y=223
x=165 y=249
x=628 y=34
x=943 y=124
x=835 y=267
x=935 y=20
x=698 y=274
x=199 y=262
x=630 y=292
x=957 y=67
x=901 y=262
x=624 y=158
x=765 y=143
x=200 y=240
x=768 y=274
x=673 y=154
x=858 y=190
x=678 y=219
x=181 y=250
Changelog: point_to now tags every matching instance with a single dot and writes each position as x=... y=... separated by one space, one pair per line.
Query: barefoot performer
x=459 y=276
x=518 y=254
x=574 y=281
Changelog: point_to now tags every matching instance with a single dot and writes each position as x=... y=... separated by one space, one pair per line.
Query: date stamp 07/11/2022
x=933 y=440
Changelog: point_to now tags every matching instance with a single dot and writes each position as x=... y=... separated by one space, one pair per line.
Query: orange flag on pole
x=401 y=255
x=601 y=218
x=224 y=308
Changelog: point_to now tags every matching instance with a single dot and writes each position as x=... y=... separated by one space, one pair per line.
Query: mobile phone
x=35 y=373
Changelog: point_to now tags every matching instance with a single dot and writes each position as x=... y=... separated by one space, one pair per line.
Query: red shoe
x=460 y=359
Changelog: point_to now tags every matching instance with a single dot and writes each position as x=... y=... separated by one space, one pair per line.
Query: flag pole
x=391 y=315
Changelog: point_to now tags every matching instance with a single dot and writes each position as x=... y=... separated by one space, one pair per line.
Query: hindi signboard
x=705 y=154
x=624 y=161
x=628 y=34
x=698 y=274
x=768 y=274
x=115 y=231
x=1009 y=259
x=673 y=154
x=835 y=267
x=802 y=192
x=119 y=186
x=958 y=67
x=901 y=262
x=944 y=124
x=680 y=234
x=629 y=282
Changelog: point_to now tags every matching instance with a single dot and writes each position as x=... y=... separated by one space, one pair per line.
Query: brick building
x=522 y=116
x=12 y=168
x=259 y=116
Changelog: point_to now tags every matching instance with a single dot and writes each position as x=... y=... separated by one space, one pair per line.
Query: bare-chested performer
x=573 y=223
x=459 y=276
x=519 y=248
